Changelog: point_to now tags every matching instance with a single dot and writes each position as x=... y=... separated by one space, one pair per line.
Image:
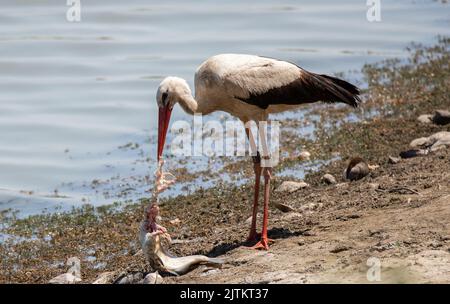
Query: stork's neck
x=188 y=103
x=192 y=105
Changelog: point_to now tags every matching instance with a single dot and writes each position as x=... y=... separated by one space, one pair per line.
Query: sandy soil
x=399 y=215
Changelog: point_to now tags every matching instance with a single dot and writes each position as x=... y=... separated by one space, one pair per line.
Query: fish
x=160 y=259
x=151 y=233
x=163 y=180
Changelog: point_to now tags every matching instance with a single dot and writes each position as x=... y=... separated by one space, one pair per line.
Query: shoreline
x=213 y=221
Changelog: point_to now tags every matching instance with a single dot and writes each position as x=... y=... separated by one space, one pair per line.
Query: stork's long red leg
x=264 y=242
x=257 y=168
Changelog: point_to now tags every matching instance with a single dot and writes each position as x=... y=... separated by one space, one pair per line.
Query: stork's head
x=169 y=92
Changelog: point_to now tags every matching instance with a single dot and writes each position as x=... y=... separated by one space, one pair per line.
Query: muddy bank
x=398 y=213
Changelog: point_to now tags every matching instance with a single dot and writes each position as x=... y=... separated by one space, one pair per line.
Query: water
x=71 y=94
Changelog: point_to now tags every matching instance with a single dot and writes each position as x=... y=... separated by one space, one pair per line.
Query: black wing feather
x=308 y=88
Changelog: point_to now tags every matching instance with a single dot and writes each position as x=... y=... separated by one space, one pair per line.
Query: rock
x=309 y=207
x=433 y=143
x=329 y=179
x=208 y=272
x=304 y=155
x=284 y=207
x=105 y=278
x=374 y=186
x=442 y=142
x=356 y=169
x=342 y=185
x=153 y=278
x=249 y=220
x=425 y=118
x=394 y=160
x=292 y=215
x=289 y=186
x=131 y=278
x=441 y=117
x=309 y=233
x=65 y=278
x=421 y=142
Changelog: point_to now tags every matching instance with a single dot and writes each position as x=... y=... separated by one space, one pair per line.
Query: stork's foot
x=262 y=244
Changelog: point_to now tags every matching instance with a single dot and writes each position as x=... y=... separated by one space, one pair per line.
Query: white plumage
x=249 y=88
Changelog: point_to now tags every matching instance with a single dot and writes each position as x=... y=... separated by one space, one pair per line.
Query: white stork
x=249 y=88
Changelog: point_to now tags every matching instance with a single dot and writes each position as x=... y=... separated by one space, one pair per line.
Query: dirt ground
x=399 y=215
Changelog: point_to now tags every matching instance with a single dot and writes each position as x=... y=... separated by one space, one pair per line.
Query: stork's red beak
x=163 y=125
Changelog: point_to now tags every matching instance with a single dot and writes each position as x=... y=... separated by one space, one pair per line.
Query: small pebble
x=374 y=186
x=289 y=186
x=131 y=278
x=433 y=142
x=394 y=160
x=425 y=118
x=304 y=155
x=329 y=179
x=152 y=278
x=65 y=278
x=105 y=277
x=249 y=220
x=292 y=215
x=283 y=207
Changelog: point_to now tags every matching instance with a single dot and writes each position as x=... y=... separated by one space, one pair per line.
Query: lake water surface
x=77 y=100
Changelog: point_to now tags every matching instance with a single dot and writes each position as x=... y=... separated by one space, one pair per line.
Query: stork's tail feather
x=339 y=90
x=344 y=84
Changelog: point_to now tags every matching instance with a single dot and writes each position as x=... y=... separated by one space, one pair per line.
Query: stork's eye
x=164 y=97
